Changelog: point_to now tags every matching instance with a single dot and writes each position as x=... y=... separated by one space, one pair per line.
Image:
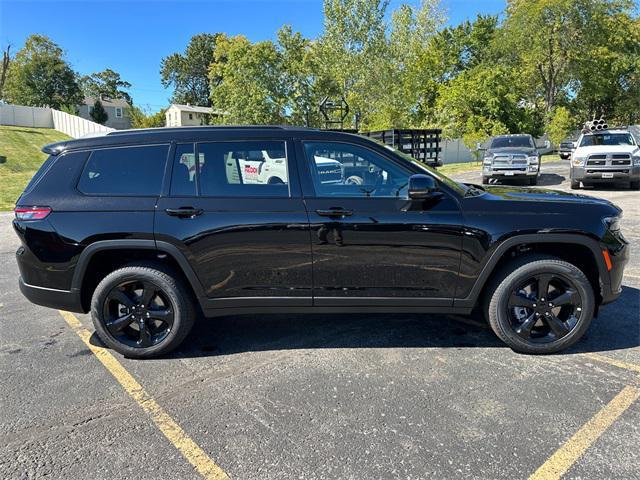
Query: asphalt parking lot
x=353 y=397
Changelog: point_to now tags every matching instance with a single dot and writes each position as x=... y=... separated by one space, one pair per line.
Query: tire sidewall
x=499 y=308
x=162 y=282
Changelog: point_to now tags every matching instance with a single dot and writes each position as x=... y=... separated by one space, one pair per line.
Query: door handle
x=335 y=212
x=184 y=212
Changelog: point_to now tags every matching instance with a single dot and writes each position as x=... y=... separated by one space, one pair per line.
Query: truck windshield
x=607 y=139
x=507 y=142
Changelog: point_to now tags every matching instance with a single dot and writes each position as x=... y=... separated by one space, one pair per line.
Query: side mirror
x=479 y=146
x=574 y=145
x=422 y=186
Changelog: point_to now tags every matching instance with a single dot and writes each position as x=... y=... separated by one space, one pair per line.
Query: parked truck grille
x=611 y=160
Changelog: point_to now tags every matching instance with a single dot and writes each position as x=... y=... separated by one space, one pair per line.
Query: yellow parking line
x=562 y=460
x=612 y=361
x=174 y=433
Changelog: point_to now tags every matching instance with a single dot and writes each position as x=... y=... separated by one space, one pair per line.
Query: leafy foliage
x=107 y=83
x=38 y=75
x=188 y=73
x=142 y=119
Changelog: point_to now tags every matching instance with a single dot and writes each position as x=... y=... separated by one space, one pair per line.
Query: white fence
x=44 y=117
x=75 y=126
x=38 y=117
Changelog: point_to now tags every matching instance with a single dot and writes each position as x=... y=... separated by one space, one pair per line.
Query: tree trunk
x=5 y=68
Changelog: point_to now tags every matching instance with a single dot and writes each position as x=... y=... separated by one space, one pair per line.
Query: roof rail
x=208 y=127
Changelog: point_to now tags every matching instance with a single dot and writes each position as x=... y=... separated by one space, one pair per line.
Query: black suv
x=147 y=229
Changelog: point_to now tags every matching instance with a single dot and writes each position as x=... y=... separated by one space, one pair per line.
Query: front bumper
x=515 y=172
x=68 y=300
x=617 y=174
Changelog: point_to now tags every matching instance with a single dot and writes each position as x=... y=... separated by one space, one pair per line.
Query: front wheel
x=575 y=184
x=141 y=311
x=635 y=185
x=540 y=304
x=533 y=181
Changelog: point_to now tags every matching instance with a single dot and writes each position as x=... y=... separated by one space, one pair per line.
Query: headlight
x=578 y=161
x=636 y=161
x=487 y=160
x=613 y=223
x=534 y=159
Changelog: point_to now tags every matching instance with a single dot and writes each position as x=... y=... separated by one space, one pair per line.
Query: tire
x=533 y=181
x=171 y=299
x=635 y=185
x=575 y=185
x=485 y=180
x=506 y=286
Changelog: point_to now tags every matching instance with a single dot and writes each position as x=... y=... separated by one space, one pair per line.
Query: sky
x=133 y=37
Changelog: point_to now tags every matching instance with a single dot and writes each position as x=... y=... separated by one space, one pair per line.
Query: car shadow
x=544 y=180
x=616 y=328
x=549 y=179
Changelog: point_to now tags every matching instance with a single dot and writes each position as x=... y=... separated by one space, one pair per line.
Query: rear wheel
x=141 y=312
x=540 y=304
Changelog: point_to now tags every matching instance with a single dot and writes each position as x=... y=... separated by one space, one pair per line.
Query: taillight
x=31 y=213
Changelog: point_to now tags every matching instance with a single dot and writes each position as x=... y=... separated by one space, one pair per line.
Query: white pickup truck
x=609 y=156
x=269 y=170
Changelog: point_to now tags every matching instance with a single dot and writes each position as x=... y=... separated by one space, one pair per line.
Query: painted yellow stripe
x=562 y=460
x=174 y=433
x=612 y=361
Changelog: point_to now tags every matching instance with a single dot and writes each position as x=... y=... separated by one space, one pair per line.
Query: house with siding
x=116 y=109
x=178 y=115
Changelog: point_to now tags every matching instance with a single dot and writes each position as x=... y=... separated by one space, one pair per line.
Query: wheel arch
x=102 y=257
x=579 y=250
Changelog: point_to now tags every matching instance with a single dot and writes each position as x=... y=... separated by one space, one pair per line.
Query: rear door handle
x=335 y=212
x=184 y=212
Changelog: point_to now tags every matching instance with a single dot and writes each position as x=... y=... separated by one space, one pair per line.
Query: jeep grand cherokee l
x=123 y=227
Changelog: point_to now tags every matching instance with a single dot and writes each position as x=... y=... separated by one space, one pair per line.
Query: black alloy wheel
x=138 y=314
x=544 y=308
x=539 y=304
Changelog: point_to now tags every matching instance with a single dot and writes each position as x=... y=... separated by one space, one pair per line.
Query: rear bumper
x=68 y=300
x=620 y=174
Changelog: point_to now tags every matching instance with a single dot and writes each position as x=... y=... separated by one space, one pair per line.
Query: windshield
x=507 y=142
x=458 y=187
x=607 y=139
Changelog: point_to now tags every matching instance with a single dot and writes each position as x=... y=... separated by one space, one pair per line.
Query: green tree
x=568 y=50
x=39 y=75
x=352 y=52
x=98 y=114
x=249 y=81
x=188 y=72
x=560 y=125
x=107 y=82
x=482 y=102
x=141 y=119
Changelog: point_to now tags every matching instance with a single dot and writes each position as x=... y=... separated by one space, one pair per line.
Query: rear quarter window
x=40 y=173
x=130 y=171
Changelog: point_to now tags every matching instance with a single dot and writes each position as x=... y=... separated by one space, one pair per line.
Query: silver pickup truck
x=511 y=157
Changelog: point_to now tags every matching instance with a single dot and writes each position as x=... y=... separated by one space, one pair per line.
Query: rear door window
x=243 y=169
x=130 y=171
